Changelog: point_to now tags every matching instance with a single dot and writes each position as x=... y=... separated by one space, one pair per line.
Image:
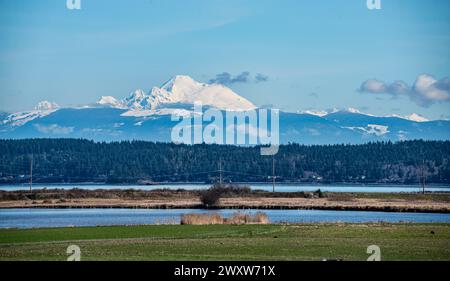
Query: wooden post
x=423 y=177
x=31 y=173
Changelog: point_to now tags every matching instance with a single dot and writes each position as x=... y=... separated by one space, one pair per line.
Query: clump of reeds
x=201 y=219
x=237 y=218
x=240 y=218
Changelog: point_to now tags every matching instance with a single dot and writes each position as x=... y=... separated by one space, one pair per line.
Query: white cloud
x=53 y=129
x=398 y=88
x=425 y=91
x=373 y=86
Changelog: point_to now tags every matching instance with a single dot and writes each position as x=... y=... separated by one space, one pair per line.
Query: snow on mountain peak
x=181 y=84
x=137 y=95
x=181 y=89
x=417 y=118
x=46 y=106
x=412 y=117
x=355 y=110
x=320 y=113
x=136 y=100
x=42 y=109
x=110 y=101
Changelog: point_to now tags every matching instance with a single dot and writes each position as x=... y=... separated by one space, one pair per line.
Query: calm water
x=266 y=187
x=34 y=218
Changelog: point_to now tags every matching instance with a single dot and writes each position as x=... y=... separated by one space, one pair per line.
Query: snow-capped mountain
x=147 y=116
x=180 y=90
x=412 y=117
x=42 y=109
x=320 y=113
x=111 y=101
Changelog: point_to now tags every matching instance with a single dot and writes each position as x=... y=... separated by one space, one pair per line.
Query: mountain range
x=147 y=116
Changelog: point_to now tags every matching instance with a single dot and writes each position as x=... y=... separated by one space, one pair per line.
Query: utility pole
x=31 y=173
x=273 y=174
x=220 y=171
x=423 y=177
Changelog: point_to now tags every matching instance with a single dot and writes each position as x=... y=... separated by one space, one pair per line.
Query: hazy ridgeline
x=73 y=160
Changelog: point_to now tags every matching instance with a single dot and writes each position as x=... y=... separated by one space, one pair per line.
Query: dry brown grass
x=201 y=219
x=237 y=218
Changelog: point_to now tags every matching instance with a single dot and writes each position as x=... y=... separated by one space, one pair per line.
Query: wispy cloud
x=54 y=129
x=226 y=78
x=261 y=78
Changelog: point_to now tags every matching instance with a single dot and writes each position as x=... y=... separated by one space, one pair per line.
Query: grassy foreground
x=225 y=242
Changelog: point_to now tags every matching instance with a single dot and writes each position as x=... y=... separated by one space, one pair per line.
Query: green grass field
x=228 y=242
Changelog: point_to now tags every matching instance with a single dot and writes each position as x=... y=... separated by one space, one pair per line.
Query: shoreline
x=242 y=203
x=238 y=199
x=237 y=208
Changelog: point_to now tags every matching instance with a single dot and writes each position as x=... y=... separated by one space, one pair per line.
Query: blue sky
x=314 y=54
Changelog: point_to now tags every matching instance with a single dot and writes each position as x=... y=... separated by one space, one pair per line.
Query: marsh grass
x=214 y=219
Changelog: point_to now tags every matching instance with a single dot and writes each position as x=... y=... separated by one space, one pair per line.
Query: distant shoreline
x=385 y=209
x=239 y=183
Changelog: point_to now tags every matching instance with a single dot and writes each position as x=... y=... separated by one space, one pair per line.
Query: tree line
x=78 y=160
